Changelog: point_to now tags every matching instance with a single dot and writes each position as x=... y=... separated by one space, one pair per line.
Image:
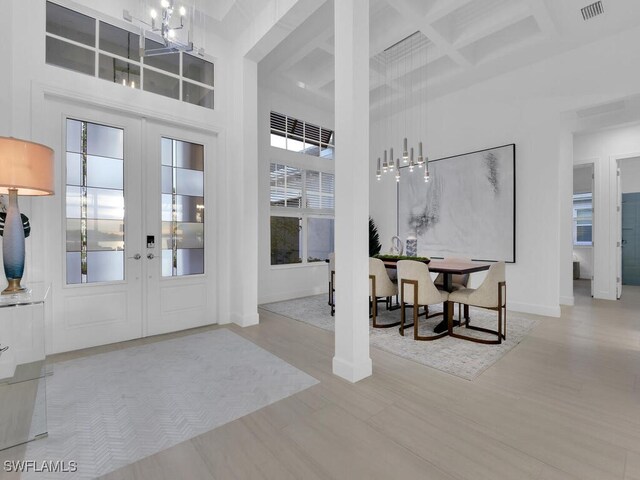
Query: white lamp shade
x=25 y=166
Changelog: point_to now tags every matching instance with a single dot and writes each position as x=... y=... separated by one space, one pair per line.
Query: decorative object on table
x=469 y=207
x=412 y=246
x=396 y=246
x=374 y=239
x=392 y=257
x=405 y=89
x=27 y=169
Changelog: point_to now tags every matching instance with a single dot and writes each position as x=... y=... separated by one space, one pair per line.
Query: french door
x=127 y=252
x=179 y=188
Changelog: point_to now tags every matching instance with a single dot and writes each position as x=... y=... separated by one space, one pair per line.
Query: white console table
x=22 y=367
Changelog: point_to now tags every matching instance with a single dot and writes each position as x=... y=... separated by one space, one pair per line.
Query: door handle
x=150 y=256
x=137 y=256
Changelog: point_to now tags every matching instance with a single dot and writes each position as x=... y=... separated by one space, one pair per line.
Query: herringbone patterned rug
x=109 y=410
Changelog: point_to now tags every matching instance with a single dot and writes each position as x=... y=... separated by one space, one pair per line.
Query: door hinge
x=618 y=279
x=617 y=244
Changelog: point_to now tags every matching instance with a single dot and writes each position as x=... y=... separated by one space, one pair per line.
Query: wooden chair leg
x=373 y=300
x=416 y=307
x=402 y=312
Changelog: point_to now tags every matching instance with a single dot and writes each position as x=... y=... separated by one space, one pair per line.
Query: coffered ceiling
x=462 y=42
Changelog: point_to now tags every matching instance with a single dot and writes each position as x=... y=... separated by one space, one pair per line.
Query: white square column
x=351 y=360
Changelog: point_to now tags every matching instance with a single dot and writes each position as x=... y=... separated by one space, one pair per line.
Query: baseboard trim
x=245 y=320
x=352 y=372
x=570 y=301
x=280 y=297
x=544 y=310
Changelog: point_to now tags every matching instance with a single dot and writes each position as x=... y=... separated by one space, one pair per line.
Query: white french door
x=179 y=190
x=127 y=252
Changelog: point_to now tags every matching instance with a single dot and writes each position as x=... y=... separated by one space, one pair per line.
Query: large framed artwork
x=466 y=209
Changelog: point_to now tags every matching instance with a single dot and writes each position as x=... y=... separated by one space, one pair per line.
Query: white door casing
x=618 y=234
x=143 y=303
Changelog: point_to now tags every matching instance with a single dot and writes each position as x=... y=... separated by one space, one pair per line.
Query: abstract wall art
x=467 y=208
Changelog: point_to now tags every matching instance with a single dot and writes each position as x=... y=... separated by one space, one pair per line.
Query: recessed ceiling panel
x=472 y=15
x=312 y=66
x=502 y=41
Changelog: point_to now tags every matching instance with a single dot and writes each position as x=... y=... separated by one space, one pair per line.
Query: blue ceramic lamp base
x=13 y=246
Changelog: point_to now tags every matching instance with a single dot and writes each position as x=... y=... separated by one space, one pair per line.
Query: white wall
x=525 y=107
x=31 y=81
x=582 y=180
x=6 y=60
x=604 y=148
x=285 y=281
x=630 y=175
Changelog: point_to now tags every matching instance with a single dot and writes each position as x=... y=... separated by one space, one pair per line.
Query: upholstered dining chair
x=491 y=295
x=332 y=282
x=380 y=287
x=418 y=290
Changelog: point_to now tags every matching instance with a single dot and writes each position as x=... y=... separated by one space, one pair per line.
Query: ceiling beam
x=510 y=15
x=543 y=17
x=273 y=24
x=417 y=20
x=314 y=31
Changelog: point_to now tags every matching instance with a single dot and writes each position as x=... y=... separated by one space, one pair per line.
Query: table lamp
x=26 y=168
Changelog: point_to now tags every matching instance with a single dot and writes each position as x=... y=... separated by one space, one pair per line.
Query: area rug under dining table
x=457 y=357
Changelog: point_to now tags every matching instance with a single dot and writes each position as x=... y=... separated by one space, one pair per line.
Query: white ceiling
x=467 y=41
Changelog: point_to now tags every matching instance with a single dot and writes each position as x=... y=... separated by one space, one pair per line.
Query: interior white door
x=618 y=235
x=179 y=255
x=94 y=232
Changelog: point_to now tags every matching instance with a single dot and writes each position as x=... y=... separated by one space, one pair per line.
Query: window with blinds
x=296 y=188
x=583 y=219
x=302 y=223
x=299 y=136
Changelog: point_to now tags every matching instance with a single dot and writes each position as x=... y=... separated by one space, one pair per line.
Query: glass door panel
x=182 y=203
x=95 y=236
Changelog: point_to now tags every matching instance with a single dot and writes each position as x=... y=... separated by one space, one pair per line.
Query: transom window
x=94 y=47
x=302 y=137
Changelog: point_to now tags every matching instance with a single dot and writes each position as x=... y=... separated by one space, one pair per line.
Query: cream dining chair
x=491 y=295
x=380 y=287
x=418 y=290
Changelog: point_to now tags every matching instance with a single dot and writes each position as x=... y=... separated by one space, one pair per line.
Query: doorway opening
x=629 y=173
x=583 y=229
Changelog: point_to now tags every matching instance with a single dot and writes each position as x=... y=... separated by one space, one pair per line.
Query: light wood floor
x=564 y=404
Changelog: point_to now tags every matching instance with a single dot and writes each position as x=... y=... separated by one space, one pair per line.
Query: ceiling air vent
x=592 y=10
